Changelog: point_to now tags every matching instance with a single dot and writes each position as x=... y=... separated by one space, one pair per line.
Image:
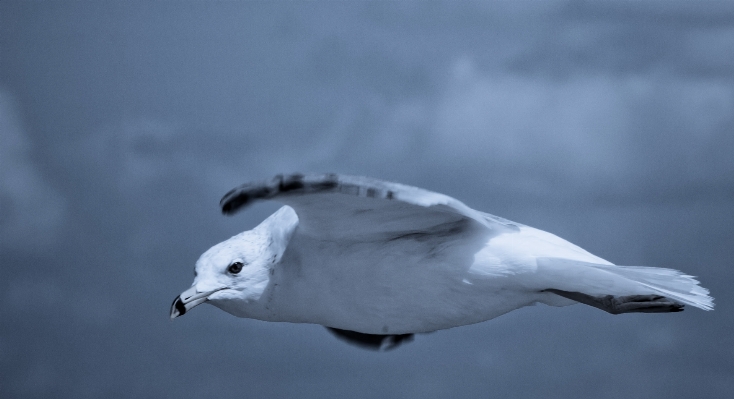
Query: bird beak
x=188 y=300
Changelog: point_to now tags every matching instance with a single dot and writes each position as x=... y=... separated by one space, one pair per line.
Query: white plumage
x=372 y=257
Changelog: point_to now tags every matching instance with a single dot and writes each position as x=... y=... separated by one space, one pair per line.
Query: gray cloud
x=607 y=123
x=31 y=209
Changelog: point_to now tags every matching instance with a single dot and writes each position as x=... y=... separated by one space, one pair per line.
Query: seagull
x=377 y=262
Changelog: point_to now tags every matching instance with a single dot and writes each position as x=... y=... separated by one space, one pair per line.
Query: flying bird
x=376 y=262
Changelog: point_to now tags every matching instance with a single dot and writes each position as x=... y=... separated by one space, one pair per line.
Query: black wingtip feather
x=245 y=194
x=298 y=183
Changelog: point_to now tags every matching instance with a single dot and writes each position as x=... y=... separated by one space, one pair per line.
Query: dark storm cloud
x=31 y=210
x=635 y=37
x=121 y=125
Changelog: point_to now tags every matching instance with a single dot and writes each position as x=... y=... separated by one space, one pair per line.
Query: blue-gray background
x=610 y=124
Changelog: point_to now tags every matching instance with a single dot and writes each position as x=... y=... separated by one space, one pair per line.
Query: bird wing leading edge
x=334 y=206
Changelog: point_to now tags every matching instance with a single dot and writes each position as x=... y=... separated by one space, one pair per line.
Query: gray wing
x=333 y=206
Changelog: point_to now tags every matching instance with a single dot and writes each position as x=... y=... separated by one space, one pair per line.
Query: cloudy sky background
x=610 y=124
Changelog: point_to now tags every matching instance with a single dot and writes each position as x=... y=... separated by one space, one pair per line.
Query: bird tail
x=600 y=279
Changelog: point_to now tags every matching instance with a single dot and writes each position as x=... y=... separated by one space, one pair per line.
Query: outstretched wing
x=331 y=206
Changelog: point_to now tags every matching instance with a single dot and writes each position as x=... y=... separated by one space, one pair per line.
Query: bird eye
x=235 y=267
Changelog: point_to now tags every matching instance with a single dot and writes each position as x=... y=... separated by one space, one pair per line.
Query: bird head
x=235 y=272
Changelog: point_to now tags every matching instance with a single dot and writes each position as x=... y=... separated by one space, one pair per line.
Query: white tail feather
x=668 y=282
x=601 y=279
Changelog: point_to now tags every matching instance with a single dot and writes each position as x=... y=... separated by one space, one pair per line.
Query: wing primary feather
x=297 y=184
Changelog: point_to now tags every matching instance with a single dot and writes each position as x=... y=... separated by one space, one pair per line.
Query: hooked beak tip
x=190 y=299
x=177 y=308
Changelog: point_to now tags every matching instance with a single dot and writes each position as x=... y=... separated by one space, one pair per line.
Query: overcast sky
x=122 y=124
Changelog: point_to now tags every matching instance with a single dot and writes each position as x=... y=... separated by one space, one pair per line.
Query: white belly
x=408 y=285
